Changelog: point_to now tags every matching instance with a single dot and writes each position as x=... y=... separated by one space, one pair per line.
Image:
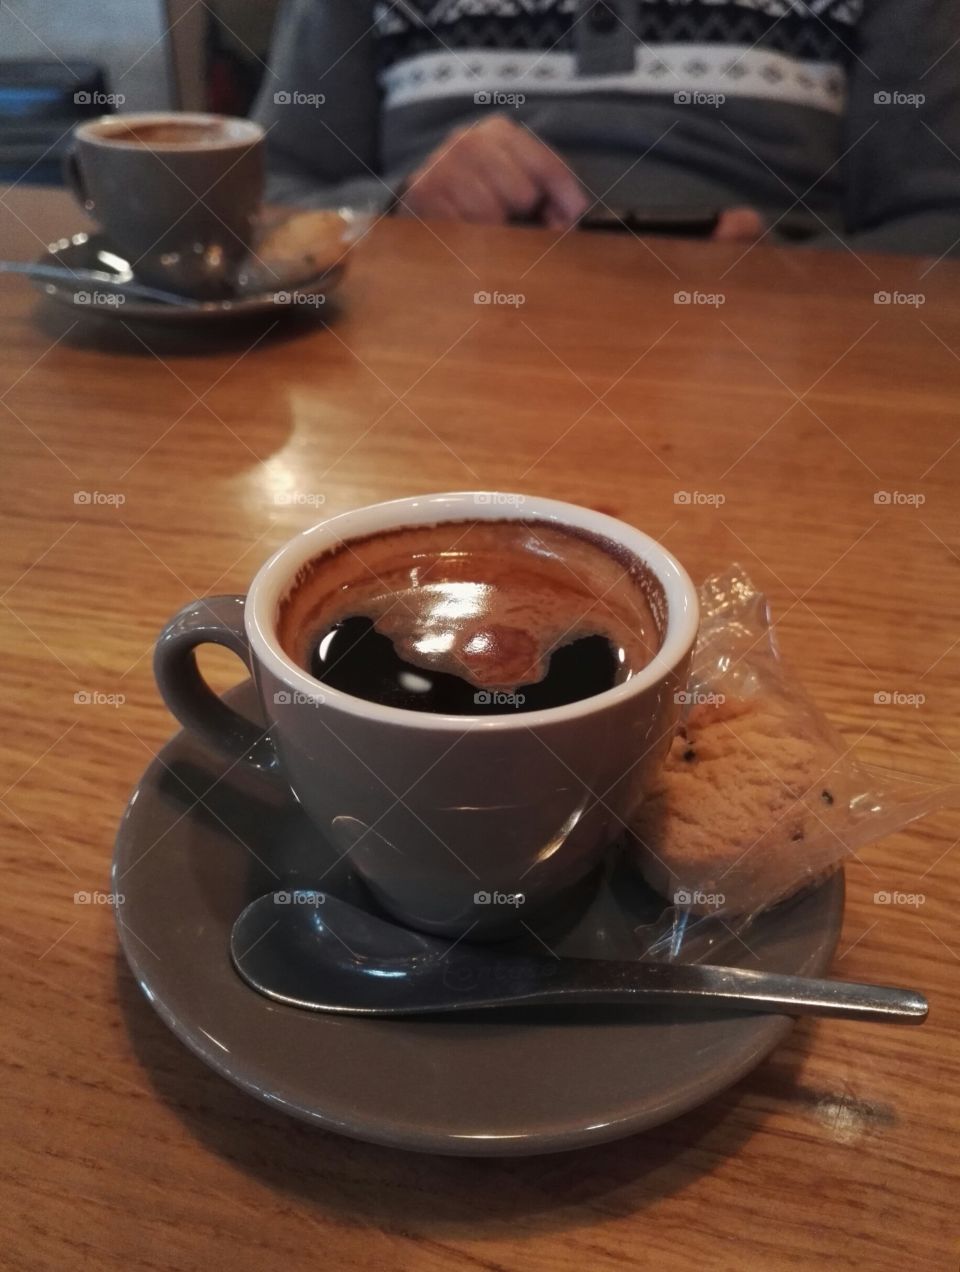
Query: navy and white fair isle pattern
x=795 y=51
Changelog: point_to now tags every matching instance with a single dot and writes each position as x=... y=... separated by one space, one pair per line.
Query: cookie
x=317 y=236
x=740 y=816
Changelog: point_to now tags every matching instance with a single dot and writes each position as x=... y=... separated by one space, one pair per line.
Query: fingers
x=476 y=198
x=454 y=182
x=566 y=198
x=496 y=170
x=738 y=225
x=518 y=192
x=492 y=172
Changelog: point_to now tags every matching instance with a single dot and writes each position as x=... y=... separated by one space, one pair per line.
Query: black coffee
x=356 y=659
x=473 y=618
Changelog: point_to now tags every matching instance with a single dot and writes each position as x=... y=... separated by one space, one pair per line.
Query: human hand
x=491 y=172
x=739 y=225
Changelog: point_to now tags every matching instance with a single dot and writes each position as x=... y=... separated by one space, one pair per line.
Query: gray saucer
x=94 y=251
x=483 y=1086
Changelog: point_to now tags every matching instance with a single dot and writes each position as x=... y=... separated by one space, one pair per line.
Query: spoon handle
x=740 y=989
x=100 y=278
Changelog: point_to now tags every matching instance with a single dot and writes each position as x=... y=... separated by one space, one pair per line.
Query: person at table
x=833 y=120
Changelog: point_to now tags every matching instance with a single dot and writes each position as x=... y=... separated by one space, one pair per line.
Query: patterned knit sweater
x=834 y=118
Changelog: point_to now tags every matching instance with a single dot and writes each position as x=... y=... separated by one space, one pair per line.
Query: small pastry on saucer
x=321 y=237
x=740 y=816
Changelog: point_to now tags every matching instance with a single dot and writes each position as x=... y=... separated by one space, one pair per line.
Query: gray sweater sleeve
x=901 y=170
x=320 y=105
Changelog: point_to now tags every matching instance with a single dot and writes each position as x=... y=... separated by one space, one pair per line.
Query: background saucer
x=95 y=251
x=199 y=840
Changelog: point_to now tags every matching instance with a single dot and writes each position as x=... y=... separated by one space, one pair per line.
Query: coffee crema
x=474 y=617
x=167 y=132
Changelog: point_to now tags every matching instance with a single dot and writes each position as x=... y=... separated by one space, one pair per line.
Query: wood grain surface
x=781 y=414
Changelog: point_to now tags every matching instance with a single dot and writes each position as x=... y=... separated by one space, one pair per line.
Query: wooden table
x=796 y=401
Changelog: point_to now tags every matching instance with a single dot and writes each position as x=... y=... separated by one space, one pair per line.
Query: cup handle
x=215 y=620
x=73 y=177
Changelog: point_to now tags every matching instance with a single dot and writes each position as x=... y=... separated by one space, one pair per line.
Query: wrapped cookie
x=759 y=797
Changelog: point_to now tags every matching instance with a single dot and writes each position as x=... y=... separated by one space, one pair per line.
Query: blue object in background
x=40 y=104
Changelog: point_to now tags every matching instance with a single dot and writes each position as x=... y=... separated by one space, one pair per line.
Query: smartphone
x=675 y=222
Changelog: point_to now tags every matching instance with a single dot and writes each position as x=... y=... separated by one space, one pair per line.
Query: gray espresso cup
x=457 y=824
x=177 y=193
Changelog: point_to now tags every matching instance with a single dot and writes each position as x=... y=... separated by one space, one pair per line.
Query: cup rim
x=275 y=577
x=245 y=132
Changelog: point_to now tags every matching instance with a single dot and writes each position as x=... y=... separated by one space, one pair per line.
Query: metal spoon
x=120 y=284
x=280 y=277
x=308 y=949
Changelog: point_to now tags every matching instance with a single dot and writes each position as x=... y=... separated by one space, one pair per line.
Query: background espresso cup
x=177 y=193
x=447 y=819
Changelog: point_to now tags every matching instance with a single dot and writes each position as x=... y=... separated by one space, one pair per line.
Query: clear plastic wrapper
x=760 y=798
